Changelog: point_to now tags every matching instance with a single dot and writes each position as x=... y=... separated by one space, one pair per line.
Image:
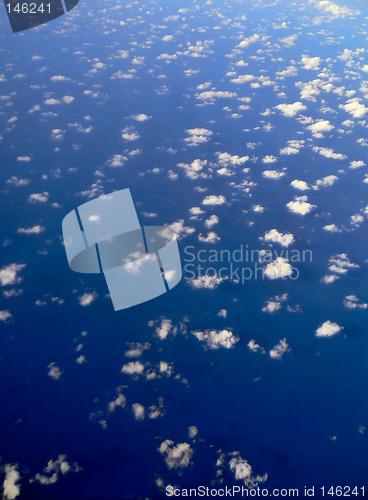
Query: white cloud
x=24 y=158
x=301 y=185
x=211 y=237
x=178 y=227
x=211 y=95
x=68 y=99
x=228 y=159
x=279 y=268
x=329 y=180
x=311 y=63
x=197 y=136
x=138 y=411
x=340 y=264
x=243 y=79
x=54 y=469
x=133 y=368
x=52 y=102
x=87 y=298
x=206 y=281
x=195 y=169
x=39 y=197
x=129 y=134
x=176 y=457
x=214 y=200
x=269 y=159
x=243 y=471
x=217 y=338
x=356 y=164
x=284 y=239
x=327 y=329
x=248 y=41
x=291 y=110
x=165 y=328
x=273 y=174
x=355 y=107
x=319 y=127
x=300 y=205
x=54 y=371
x=31 y=230
x=280 y=349
x=6 y=316
x=9 y=274
x=10 y=485
x=141 y=117
x=352 y=302
x=212 y=221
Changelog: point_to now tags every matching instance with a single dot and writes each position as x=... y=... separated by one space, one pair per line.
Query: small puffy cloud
x=141 y=117
x=192 y=431
x=243 y=471
x=195 y=169
x=60 y=78
x=134 y=368
x=301 y=185
x=356 y=164
x=228 y=159
x=68 y=99
x=211 y=221
x=214 y=200
x=11 y=487
x=31 y=230
x=291 y=110
x=355 y=107
x=289 y=41
x=54 y=371
x=129 y=134
x=300 y=205
x=279 y=268
x=248 y=41
x=39 y=197
x=52 y=102
x=280 y=349
x=180 y=229
x=24 y=158
x=243 y=79
x=176 y=457
x=319 y=127
x=269 y=159
x=87 y=298
x=138 y=411
x=164 y=328
x=6 y=316
x=311 y=63
x=167 y=38
x=197 y=136
x=217 y=338
x=206 y=281
x=211 y=237
x=56 y=468
x=284 y=239
x=331 y=228
x=273 y=174
x=328 y=329
x=211 y=95
x=340 y=264
x=352 y=302
x=9 y=275
x=329 y=180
